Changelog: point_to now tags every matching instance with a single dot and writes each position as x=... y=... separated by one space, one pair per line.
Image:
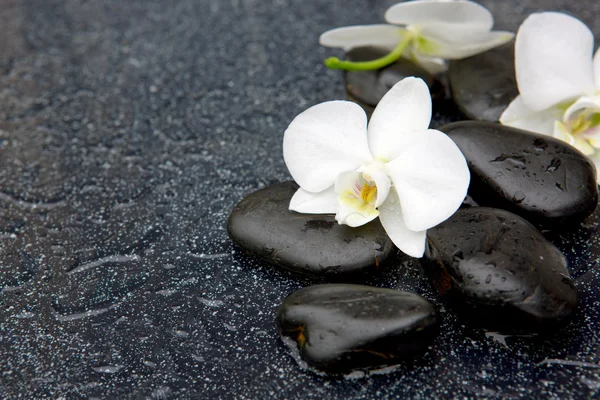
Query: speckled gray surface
x=128 y=131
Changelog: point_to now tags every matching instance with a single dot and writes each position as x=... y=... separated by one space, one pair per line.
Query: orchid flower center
x=583 y=122
x=581 y=129
x=360 y=192
x=368 y=193
x=365 y=189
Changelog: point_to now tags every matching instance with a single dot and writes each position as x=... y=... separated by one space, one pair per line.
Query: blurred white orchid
x=425 y=31
x=559 y=82
x=412 y=177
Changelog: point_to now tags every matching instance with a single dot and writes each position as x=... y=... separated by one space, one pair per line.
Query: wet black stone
x=538 y=177
x=340 y=328
x=366 y=88
x=305 y=243
x=484 y=85
x=499 y=271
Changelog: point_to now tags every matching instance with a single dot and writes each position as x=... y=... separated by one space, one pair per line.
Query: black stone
x=307 y=244
x=499 y=271
x=366 y=88
x=340 y=328
x=543 y=179
x=484 y=85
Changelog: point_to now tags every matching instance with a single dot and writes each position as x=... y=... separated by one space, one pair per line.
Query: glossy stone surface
x=485 y=84
x=309 y=244
x=538 y=177
x=129 y=130
x=368 y=87
x=341 y=328
x=499 y=271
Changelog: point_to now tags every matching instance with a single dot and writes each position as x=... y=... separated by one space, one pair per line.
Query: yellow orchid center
x=580 y=124
x=368 y=193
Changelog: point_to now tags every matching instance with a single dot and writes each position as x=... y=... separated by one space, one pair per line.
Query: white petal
x=582 y=103
x=553 y=60
x=518 y=115
x=382 y=181
x=433 y=65
x=597 y=68
x=353 y=218
x=431 y=178
x=467 y=14
x=406 y=107
x=562 y=133
x=583 y=146
x=324 y=141
x=386 y=36
x=452 y=48
x=392 y=220
x=592 y=136
x=325 y=202
x=596 y=160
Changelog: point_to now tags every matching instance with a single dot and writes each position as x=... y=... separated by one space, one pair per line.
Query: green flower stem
x=336 y=63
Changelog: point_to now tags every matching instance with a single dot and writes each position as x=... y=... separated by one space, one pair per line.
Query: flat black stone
x=538 y=177
x=499 y=271
x=484 y=85
x=340 y=328
x=366 y=88
x=308 y=244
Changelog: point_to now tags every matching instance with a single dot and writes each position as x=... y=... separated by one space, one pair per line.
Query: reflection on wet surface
x=128 y=131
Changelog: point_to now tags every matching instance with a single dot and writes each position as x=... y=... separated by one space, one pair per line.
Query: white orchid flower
x=559 y=82
x=425 y=31
x=411 y=177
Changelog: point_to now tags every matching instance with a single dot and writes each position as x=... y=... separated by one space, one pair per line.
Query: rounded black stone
x=541 y=178
x=366 y=88
x=499 y=271
x=340 y=328
x=308 y=244
x=484 y=85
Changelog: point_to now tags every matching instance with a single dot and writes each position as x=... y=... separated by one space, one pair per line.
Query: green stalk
x=336 y=63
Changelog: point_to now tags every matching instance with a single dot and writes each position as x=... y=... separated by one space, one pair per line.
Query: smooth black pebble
x=499 y=271
x=340 y=328
x=366 y=88
x=484 y=85
x=541 y=178
x=308 y=244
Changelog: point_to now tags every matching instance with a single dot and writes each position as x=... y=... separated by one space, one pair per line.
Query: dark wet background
x=128 y=131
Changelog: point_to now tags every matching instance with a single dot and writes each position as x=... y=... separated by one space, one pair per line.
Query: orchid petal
x=353 y=210
x=392 y=220
x=433 y=65
x=425 y=14
x=324 y=141
x=518 y=115
x=562 y=133
x=553 y=60
x=583 y=146
x=596 y=160
x=592 y=136
x=406 y=107
x=325 y=202
x=386 y=36
x=351 y=217
x=450 y=48
x=596 y=63
x=431 y=178
x=582 y=103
